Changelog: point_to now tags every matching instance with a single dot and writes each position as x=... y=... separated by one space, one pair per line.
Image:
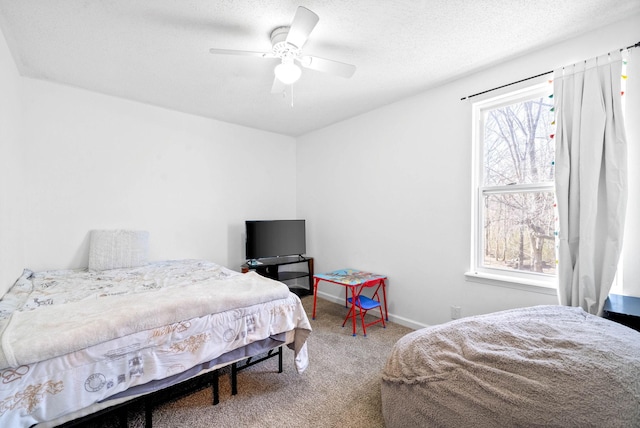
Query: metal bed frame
x=179 y=390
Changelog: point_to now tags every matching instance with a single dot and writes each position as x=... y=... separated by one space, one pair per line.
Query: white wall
x=73 y=160
x=11 y=245
x=389 y=191
x=101 y=162
x=631 y=267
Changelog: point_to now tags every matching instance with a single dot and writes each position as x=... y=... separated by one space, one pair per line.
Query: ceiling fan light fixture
x=287 y=72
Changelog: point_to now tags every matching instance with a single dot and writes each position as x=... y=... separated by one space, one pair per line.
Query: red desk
x=354 y=281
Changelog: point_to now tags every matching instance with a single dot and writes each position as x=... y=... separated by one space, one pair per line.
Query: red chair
x=365 y=304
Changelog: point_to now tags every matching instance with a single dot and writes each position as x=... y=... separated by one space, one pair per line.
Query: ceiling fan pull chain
x=291 y=96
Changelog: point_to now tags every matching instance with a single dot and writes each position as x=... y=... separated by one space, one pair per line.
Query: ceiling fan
x=287 y=44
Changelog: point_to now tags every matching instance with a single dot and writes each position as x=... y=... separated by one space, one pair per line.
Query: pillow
x=113 y=249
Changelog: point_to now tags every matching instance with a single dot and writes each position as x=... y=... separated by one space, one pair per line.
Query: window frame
x=544 y=283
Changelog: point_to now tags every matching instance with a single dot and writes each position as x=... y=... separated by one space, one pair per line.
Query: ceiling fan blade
x=243 y=53
x=278 y=87
x=328 y=66
x=303 y=23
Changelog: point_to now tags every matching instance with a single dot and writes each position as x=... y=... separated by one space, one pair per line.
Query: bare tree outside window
x=517 y=195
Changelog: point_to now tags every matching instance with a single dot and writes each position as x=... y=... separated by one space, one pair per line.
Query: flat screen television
x=275 y=238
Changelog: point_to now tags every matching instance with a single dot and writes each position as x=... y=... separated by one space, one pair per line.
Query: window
x=514 y=219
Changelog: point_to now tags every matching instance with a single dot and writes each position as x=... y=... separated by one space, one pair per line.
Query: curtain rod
x=529 y=78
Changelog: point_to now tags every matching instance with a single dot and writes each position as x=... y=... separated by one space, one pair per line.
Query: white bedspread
x=76 y=318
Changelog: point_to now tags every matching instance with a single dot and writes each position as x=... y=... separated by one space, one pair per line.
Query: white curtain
x=591 y=179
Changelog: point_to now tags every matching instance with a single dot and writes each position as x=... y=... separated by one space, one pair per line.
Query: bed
x=550 y=366
x=77 y=341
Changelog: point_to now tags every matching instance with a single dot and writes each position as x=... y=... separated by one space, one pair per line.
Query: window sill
x=542 y=287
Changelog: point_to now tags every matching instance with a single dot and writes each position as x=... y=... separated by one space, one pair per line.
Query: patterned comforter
x=71 y=338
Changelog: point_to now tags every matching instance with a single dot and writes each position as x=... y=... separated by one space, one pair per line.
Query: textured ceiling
x=157 y=51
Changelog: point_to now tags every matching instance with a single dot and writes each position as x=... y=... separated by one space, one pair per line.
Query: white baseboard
x=393 y=318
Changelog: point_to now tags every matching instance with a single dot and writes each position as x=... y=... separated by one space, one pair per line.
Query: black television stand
x=272 y=268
